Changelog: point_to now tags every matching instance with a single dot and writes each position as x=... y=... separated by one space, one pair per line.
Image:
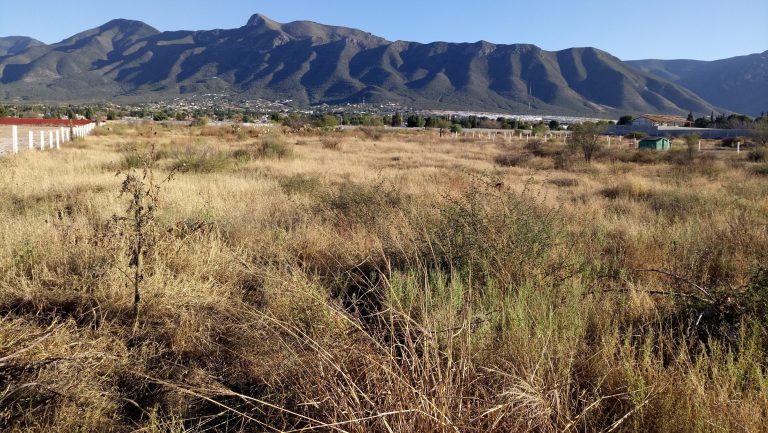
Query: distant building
x=655 y=143
x=661 y=120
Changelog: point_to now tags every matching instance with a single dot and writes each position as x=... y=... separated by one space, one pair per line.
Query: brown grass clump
x=406 y=284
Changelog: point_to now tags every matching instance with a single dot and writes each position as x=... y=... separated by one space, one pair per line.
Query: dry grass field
x=379 y=281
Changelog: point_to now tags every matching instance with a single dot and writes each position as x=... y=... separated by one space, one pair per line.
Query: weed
x=274 y=146
x=760 y=170
x=202 y=160
x=299 y=184
x=758 y=154
x=331 y=142
x=512 y=160
x=372 y=133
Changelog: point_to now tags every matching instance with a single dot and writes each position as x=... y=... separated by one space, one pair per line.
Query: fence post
x=31 y=140
x=15 y=138
x=42 y=140
x=58 y=142
x=50 y=139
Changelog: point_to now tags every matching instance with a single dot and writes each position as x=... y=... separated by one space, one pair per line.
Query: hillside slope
x=739 y=84
x=311 y=63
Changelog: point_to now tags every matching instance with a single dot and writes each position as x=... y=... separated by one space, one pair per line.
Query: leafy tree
x=199 y=121
x=160 y=116
x=397 y=120
x=702 y=122
x=456 y=128
x=540 y=129
x=442 y=124
x=3 y=111
x=690 y=116
x=626 y=120
x=586 y=136
x=415 y=121
x=294 y=121
x=554 y=125
x=692 y=144
x=759 y=132
x=327 y=121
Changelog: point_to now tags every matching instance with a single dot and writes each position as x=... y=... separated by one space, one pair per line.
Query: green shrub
x=274 y=146
x=331 y=142
x=758 y=154
x=498 y=236
x=646 y=156
x=511 y=160
x=372 y=132
x=205 y=160
x=133 y=160
x=200 y=121
x=299 y=184
x=677 y=156
x=360 y=203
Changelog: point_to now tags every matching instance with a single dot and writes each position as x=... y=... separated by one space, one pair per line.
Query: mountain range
x=310 y=63
x=739 y=84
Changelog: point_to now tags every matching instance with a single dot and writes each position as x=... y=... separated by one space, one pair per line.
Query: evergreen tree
x=397 y=120
x=415 y=121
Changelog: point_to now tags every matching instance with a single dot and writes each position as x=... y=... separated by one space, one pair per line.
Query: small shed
x=655 y=143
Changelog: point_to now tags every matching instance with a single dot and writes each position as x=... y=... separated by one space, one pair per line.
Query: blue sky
x=703 y=29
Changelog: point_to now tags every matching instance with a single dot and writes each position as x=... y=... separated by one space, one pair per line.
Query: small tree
x=456 y=128
x=442 y=125
x=586 y=136
x=540 y=129
x=199 y=121
x=160 y=116
x=702 y=122
x=397 y=120
x=692 y=143
x=327 y=121
x=415 y=121
x=759 y=131
x=626 y=120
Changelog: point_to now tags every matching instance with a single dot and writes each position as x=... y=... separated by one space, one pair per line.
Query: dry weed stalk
x=140 y=219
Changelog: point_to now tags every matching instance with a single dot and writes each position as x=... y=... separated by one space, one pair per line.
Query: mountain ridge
x=312 y=63
x=739 y=84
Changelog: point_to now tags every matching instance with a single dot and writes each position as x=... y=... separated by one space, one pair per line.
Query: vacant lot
x=379 y=281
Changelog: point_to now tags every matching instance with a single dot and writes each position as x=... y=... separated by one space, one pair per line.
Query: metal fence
x=675 y=131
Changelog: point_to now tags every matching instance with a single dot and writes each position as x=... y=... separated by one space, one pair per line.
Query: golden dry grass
x=387 y=282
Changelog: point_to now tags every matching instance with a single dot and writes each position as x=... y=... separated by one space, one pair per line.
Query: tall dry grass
x=396 y=283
